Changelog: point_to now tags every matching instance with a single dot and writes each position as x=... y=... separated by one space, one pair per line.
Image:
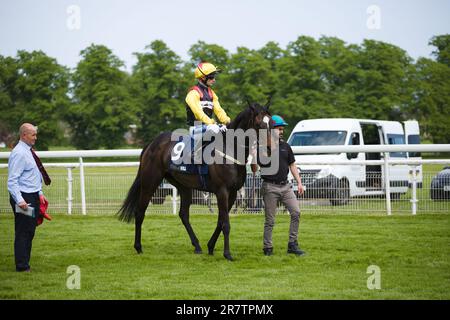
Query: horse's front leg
x=226 y=224
x=186 y=199
x=226 y=236
x=223 y=224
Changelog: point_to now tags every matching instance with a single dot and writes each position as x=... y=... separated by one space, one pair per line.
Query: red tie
x=44 y=173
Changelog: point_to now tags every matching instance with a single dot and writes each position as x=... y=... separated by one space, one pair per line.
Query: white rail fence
x=78 y=188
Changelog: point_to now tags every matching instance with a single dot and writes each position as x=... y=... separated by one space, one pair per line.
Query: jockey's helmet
x=205 y=69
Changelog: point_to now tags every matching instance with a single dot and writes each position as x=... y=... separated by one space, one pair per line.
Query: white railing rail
x=373 y=148
x=297 y=150
x=387 y=161
x=83 y=153
x=81 y=165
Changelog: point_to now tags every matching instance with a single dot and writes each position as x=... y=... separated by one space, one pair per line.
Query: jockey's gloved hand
x=213 y=127
x=223 y=128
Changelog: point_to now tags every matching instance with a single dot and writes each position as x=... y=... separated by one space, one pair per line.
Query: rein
x=249 y=125
x=224 y=155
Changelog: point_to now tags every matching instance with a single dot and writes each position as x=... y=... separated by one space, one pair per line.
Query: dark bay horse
x=224 y=180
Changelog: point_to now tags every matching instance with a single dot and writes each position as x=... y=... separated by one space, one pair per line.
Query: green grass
x=412 y=252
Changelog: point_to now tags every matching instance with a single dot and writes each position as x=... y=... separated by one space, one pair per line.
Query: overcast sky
x=62 y=28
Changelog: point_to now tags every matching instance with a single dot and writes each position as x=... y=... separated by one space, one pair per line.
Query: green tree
x=213 y=53
x=431 y=100
x=308 y=79
x=102 y=111
x=158 y=89
x=8 y=93
x=301 y=87
x=382 y=89
x=339 y=74
x=33 y=88
x=442 y=43
x=250 y=78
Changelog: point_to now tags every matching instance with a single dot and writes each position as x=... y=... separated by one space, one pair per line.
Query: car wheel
x=341 y=194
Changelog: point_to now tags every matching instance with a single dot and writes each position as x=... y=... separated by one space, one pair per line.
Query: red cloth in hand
x=43 y=210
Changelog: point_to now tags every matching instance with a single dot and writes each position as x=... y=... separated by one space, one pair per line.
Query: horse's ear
x=250 y=105
x=269 y=101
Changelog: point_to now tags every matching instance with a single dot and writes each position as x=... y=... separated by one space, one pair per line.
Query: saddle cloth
x=182 y=160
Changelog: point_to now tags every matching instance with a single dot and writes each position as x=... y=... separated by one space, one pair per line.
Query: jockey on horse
x=202 y=102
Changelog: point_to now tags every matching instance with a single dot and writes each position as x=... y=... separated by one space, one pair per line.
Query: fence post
x=83 y=193
x=69 y=190
x=174 y=200
x=387 y=180
x=414 y=190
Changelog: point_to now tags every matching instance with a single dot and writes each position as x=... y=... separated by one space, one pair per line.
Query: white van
x=412 y=136
x=339 y=183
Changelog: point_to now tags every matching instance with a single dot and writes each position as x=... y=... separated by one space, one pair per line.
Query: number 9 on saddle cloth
x=187 y=154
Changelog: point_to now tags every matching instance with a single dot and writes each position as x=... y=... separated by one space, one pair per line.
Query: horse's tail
x=130 y=206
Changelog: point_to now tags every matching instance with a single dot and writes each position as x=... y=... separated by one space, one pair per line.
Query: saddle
x=183 y=159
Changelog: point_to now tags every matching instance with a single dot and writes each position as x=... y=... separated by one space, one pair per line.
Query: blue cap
x=278 y=121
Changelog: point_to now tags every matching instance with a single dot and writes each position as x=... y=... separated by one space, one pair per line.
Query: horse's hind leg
x=150 y=183
x=139 y=219
x=216 y=233
x=225 y=202
x=186 y=199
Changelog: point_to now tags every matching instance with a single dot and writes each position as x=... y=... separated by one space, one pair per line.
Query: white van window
x=414 y=139
x=396 y=139
x=318 y=138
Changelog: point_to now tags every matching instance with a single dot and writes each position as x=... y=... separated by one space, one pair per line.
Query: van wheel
x=341 y=195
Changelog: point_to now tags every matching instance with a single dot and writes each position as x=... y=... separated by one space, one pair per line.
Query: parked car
x=440 y=185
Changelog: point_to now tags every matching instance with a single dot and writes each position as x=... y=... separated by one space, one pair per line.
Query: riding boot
x=293 y=248
x=268 y=251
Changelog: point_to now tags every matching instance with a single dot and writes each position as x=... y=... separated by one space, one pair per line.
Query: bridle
x=250 y=125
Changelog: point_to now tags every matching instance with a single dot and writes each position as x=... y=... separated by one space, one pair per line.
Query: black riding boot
x=293 y=248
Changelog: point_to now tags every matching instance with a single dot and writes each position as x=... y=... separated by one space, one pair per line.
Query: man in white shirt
x=25 y=187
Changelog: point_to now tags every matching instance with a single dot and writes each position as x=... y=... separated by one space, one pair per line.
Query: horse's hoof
x=228 y=256
x=198 y=251
x=139 y=250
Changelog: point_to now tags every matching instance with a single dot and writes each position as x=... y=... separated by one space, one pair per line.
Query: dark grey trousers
x=24 y=227
x=273 y=193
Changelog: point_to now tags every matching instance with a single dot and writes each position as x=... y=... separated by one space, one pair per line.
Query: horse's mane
x=242 y=120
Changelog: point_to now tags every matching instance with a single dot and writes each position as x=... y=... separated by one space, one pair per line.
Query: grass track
x=413 y=253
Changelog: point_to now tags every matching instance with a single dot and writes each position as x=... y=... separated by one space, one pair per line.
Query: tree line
x=98 y=102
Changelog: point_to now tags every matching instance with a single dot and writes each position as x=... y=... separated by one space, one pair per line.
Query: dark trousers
x=272 y=193
x=24 y=227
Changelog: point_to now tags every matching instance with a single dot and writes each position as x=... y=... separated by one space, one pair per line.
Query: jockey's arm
x=193 y=101
x=219 y=112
